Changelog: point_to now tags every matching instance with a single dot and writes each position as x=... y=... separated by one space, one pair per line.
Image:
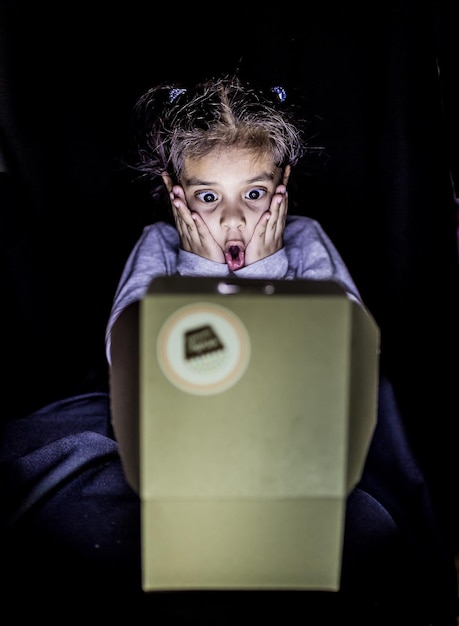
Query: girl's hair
x=172 y=122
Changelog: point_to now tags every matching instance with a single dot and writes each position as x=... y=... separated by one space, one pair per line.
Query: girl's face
x=231 y=189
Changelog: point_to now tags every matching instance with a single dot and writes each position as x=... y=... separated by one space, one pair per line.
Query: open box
x=244 y=412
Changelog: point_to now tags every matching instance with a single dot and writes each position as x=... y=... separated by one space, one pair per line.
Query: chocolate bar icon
x=201 y=342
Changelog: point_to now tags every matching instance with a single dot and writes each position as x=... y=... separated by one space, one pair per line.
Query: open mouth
x=235 y=257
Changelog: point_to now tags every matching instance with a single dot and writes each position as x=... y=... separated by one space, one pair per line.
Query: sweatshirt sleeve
x=312 y=255
x=154 y=254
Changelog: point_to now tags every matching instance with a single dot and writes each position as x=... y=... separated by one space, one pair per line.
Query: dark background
x=380 y=84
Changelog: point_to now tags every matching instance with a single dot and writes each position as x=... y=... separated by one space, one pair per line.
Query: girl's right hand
x=194 y=234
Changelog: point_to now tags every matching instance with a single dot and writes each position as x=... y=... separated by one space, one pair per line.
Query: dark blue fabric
x=71 y=533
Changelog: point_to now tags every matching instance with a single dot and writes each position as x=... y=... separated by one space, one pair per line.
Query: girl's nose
x=232 y=217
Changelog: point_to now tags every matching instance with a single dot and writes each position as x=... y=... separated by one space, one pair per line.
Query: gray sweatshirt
x=307 y=253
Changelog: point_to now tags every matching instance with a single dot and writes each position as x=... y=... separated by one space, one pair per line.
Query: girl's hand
x=268 y=234
x=194 y=234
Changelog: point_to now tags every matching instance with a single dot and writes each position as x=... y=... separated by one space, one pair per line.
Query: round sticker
x=203 y=348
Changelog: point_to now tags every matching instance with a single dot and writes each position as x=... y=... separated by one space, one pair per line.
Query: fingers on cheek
x=175 y=194
x=279 y=198
x=173 y=199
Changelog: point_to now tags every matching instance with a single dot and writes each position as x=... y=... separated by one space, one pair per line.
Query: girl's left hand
x=268 y=234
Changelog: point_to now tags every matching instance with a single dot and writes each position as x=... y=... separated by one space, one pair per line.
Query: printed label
x=203 y=348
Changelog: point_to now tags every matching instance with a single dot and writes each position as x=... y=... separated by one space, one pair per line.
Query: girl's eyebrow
x=196 y=182
x=190 y=182
x=262 y=176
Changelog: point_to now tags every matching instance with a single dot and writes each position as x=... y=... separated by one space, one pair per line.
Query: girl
x=224 y=151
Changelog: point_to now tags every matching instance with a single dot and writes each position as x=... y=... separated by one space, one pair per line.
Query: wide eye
x=207 y=196
x=255 y=193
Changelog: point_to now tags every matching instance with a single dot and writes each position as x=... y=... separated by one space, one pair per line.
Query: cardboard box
x=256 y=409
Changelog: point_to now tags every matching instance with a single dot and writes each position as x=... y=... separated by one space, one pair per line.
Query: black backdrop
x=379 y=81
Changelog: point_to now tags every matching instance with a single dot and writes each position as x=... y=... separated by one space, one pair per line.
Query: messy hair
x=174 y=122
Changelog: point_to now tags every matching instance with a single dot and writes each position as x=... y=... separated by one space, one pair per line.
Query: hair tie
x=280 y=93
x=175 y=93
